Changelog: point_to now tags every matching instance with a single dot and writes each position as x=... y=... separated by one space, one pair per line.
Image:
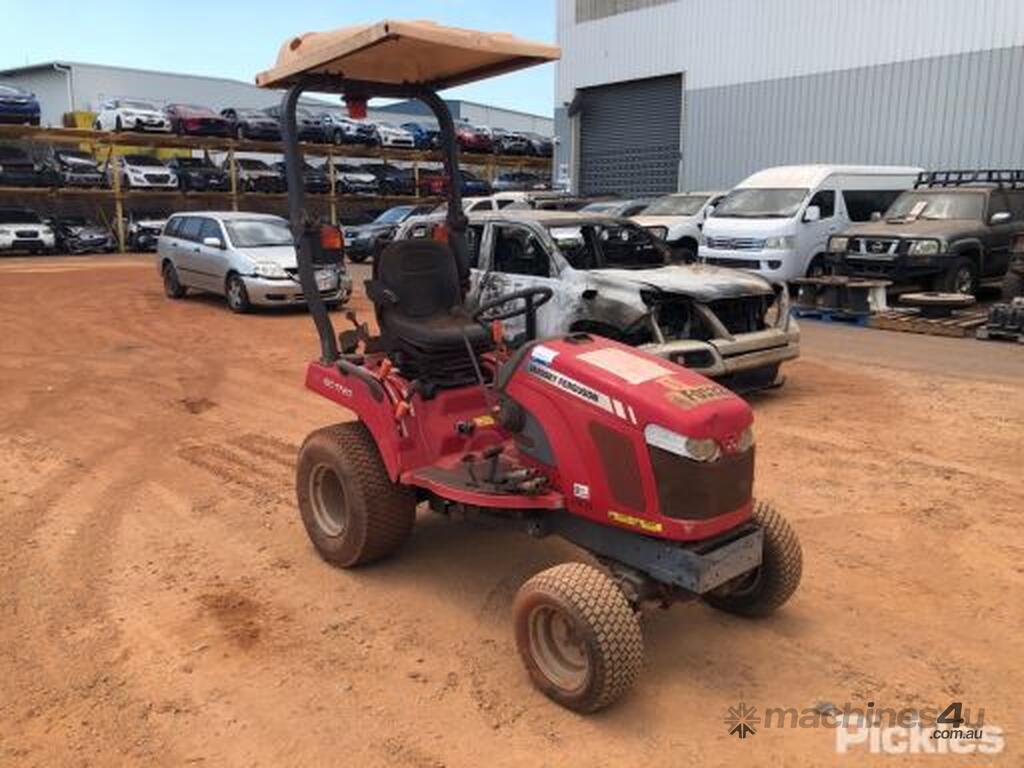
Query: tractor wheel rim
x=747 y=585
x=327 y=496
x=557 y=648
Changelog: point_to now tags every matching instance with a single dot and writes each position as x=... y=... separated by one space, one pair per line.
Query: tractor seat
x=415 y=291
x=439 y=331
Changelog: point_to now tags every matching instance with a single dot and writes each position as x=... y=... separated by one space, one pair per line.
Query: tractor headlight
x=696 y=448
x=270 y=270
x=923 y=247
x=838 y=244
x=745 y=441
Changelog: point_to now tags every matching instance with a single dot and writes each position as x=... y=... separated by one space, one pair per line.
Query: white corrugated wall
x=722 y=42
x=921 y=82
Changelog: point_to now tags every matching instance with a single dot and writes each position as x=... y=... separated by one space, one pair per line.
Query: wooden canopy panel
x=402 y=53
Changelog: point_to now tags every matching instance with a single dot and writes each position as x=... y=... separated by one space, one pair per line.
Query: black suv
x=198 y=174
x=950 y=232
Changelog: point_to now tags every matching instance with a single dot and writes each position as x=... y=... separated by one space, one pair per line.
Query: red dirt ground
x=160 y=603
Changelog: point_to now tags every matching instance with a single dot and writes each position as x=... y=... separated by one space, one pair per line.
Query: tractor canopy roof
x=401 y=53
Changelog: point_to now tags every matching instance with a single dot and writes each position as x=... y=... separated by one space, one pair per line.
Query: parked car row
x=22 y=229
x=67 y=167
x=946 y=231
x=942 y=230
x=320 y=127
x=610 y=276
x=18 y=105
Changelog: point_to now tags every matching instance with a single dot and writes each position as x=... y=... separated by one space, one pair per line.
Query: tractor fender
x=354 y=388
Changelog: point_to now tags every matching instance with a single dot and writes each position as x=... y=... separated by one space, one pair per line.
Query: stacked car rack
x=115 y=203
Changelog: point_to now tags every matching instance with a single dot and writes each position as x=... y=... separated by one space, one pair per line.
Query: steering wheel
x=533 y=299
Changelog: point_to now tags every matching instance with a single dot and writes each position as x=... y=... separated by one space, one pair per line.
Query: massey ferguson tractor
x=644 y=465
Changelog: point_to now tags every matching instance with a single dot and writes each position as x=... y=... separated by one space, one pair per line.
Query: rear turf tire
x=352 y=511
x=578 y=636
x=766 y=589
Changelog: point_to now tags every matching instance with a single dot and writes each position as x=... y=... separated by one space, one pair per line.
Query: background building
x=658 y=95
x=67 y=86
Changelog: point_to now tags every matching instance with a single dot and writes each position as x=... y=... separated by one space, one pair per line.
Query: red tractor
x=643 y=464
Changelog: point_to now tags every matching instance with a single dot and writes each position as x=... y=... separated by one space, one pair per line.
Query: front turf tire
x=352 y=511
x=578 y=636
x=768 y=587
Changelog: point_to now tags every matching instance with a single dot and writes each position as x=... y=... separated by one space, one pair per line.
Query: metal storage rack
x=107 y=147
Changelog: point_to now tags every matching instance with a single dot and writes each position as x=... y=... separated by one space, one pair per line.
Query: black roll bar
x=304 y=229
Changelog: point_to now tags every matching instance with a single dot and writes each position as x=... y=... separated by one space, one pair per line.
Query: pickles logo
x=692 y=395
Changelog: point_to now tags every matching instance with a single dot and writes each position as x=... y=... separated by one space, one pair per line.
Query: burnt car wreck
x=612 y=278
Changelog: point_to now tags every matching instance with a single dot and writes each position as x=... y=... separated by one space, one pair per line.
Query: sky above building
x=238 y=39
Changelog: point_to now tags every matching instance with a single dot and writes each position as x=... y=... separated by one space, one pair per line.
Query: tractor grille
x=694 y=490
x=620 y=465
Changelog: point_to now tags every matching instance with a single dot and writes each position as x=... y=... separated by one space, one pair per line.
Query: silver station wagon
x=249 y=258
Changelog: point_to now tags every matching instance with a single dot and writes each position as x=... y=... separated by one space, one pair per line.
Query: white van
x=778 y=221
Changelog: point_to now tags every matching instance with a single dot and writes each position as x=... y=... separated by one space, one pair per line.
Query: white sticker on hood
x=625 y=364
x=543 y=354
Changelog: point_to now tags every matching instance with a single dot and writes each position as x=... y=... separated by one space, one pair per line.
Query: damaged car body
x=612 y=277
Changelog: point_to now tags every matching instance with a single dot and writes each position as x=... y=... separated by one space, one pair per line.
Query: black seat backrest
x=422 y=276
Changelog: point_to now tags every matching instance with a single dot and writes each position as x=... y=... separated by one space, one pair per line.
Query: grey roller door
x=630 y=137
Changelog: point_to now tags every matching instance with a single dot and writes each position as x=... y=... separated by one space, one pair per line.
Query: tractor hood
x=700 y=281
